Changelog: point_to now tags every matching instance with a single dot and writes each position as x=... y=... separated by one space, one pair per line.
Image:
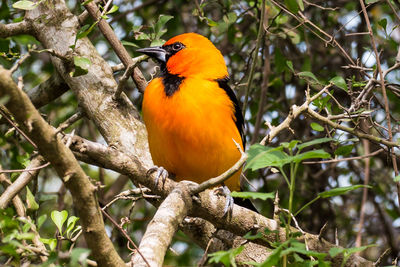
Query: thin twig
x=383 y=88
x=71 y=120
x=260 y=35
x=123 y=80
x=346 y=159
x=2 y=113
x=125 y=234
x=27 y=169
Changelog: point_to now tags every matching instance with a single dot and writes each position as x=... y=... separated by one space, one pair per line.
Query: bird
x=192 y=116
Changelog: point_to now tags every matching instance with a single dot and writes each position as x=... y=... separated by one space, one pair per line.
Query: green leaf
x=317 y=127
x=225 y=257
x=30 y=200
x=59 y=218
x=41 y=220
x=254 y=195
x=211 y=23
x=261 y=157
x=341 y=190
x=301 y=5
x=51 y=242
x=397 y=178
x=309 y=76
x=290 y=145
x=4 y=100
x=370 y=1
x=314 y=142
x=158 y=42
x=71 y=224
x=126 y=43
x=79 y=256
x=344 y=150
x=24 y=5
x=333 y=252
x=339 y=82
x=162 y=20
x=313 y=154
x=250 y=236
x=290 y=65
x=113 y=9
x=81 y=66
x=292 y=5
x=353 y=250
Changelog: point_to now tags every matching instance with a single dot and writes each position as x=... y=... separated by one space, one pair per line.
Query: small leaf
x=79 y=256
x=4 y=100
x=339 y=82
x=261 y=157
x=81 y=66
x=309 y=76
x=225 y=257
x=253 y=195
x=313 y=154
x=30 y=200
x=341 y=190
x=317 y=127
x=59 y=218
x=333 y=252
x=290 y=65
x=301 y=5
x=113 y=9
x=126 y=43
x=353 y=250
x=370 y=1
x=162 y=20
x=71 y=224
x=344 y=150
x=314 y=142
x=292 y=5
x=397 y=178
x=24 y=5
x=41 y=220
x=250 y=236
x=51 y=242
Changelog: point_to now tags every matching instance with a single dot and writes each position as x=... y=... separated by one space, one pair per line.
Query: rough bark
x=52 y=148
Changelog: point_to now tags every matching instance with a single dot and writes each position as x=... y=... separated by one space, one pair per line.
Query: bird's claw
x=160 y=172
x=224 y=191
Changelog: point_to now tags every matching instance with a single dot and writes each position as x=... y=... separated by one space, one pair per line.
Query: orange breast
x=190 y=133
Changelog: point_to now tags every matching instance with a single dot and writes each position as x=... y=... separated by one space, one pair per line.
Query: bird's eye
x=177 y=46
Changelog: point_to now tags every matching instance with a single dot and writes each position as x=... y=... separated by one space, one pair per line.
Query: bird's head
x=189 y=55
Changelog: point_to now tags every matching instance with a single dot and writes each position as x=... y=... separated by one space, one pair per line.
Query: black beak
x=155 y=52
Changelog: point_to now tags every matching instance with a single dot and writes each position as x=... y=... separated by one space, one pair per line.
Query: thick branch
x=53 y=150
x=117 y=121
x=161 y=229
x=7 y=30
x=208 y=207
x=48 y=91
x=116 y=44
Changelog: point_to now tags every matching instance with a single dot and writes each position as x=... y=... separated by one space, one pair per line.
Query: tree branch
x=7 y=30
x=161 y=229
x=53 y=149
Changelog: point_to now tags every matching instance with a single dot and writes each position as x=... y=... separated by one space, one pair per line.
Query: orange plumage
x=190 y=113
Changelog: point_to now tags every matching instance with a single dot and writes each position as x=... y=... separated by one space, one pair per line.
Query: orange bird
x=191 y=114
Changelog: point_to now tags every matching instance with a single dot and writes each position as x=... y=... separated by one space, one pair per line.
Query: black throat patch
x=171 y=82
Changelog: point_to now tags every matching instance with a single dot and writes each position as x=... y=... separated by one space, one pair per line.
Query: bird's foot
x=160 y=172
x=224 y=191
